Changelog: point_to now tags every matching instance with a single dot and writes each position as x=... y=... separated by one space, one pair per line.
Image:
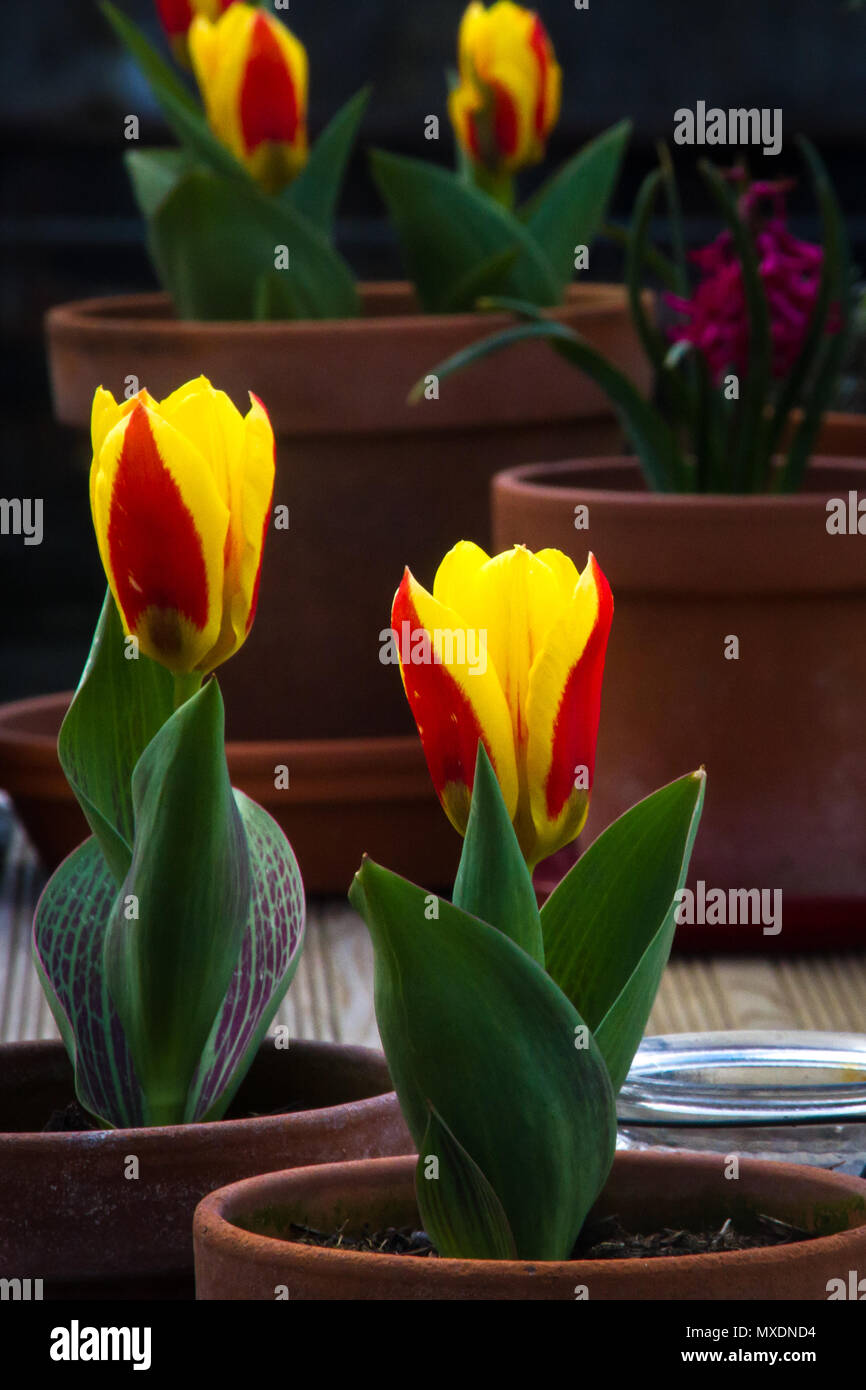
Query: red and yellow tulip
x=534 y=701
x=507 y=99
x=253 y=77
x=178 y=15
x=180 y=492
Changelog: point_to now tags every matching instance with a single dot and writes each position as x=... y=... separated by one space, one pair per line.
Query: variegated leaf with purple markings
x=269 y=957
x=68 y=939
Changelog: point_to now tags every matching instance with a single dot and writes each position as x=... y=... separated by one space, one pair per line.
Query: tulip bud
x=508 y=96
x=535 y=698
x=180 y=492
x=178 y=15
x=253 y=77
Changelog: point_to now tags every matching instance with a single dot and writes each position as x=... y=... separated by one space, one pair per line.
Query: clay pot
x=242 y=1250
x=371 y=483
x=780 y=729
x=70 y=1216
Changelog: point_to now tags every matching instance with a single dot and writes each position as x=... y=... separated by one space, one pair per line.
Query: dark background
x=69 y=227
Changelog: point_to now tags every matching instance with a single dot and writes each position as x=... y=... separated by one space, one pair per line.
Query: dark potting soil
x=73 y=1118
x=606 y=1239
x=70 y=1119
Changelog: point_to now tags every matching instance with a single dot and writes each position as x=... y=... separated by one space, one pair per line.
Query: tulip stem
x=186 y=685
x=500 y=187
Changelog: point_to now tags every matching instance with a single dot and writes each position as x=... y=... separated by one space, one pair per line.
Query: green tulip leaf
x=609 y=925
x=493 y=882
x=473 y=1027
x=447 y=229
x=213 y=242
x=175 y=934
x=487 y=277
x=315 y=191
x=570 y=209
x=182 y=113
x=120 y=704
x=269 y=956
x=67 y=946
x=154 y=174
x=460 y=1212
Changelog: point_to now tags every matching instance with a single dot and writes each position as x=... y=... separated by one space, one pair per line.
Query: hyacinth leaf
x=68 y=940
x=269 y=957
x=175 y=933
x=472 y=1026
x=822 y=354
x=570 y=208
x=154 y=174
x=447 y=227
x=660 y=265
x=212 y=243
x=119 y=706
x=750 y=459
x=314 y=193
x=459 y=1210
x=492 y=881
x=182 y=114
x=679 y=402
x=609 y=925
x=651 y=437
x=676 y=233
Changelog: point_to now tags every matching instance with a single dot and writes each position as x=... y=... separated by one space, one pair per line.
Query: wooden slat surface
x=331 y=997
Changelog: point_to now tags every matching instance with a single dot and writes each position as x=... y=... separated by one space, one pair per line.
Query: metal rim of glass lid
x=760 y=1077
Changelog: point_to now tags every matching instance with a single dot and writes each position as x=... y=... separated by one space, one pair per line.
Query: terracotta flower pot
x=780 y=729
x=371 y=483
x=242 y=1250
x=71 y=1215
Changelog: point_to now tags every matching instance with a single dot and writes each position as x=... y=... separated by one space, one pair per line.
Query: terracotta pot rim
x=197 y=1134
x=355 y=750
x=97 y=313
x=524 y=479
x=221 y=1230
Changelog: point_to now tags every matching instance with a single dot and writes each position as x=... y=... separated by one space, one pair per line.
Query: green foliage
x=460 y=241
x=506 y=1045
x=692 y=438
x=167 y=940
x=214 y=235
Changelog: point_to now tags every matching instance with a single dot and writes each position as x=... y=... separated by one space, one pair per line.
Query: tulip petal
x=269 y=105
x=251 y=491
x=253 y=76
x=563 y=708
x=516 y=597
x=212 y=423
x=161 y=526
x=455 y=702
x=103 y=417
x=457 y=575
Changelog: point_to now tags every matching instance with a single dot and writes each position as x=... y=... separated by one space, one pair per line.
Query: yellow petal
x=562 y=712
x=516 y=598
x=455 y=696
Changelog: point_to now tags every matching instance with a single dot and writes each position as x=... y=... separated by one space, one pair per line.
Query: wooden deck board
x=332 y=995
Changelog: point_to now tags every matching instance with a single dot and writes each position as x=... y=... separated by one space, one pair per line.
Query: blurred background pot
x=371 y=483
x=780 y=729
x=345 y=797
x=71 y=1216
x=243 y=1249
